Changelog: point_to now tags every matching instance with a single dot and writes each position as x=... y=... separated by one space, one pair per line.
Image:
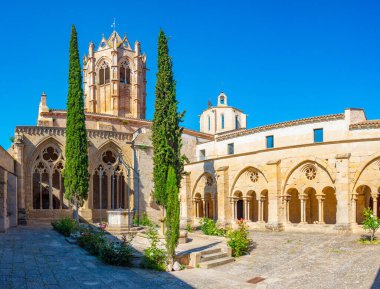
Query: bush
x=119 y=254
x=209 y=227
x=155 y=257
x=144 y=221
x=238 y=240
x=189 y=228
x=65 y=226
x=371 y=223
x=92 y=241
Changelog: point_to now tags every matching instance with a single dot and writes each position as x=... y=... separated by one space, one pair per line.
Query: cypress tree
x=76 y=166
x=172 y=214
x=167 y=133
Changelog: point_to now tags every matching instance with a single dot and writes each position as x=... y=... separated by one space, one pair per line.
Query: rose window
x=310 y=173
x=254 y=177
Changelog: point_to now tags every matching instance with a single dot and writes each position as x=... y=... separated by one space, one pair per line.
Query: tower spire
x=114 y=24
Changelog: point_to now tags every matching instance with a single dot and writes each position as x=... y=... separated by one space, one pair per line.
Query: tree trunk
x=76 y=212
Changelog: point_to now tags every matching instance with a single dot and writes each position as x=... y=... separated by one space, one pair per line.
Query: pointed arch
x=331 y=172
x=49 y=140
x=363 y=166
x=212 y=187
x=242 y=171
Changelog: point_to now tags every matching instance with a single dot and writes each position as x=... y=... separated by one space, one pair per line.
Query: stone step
x=217 y=262
x=209 y=257
x=211 y=251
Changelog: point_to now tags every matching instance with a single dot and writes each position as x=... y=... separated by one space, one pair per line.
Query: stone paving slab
x=38 y=257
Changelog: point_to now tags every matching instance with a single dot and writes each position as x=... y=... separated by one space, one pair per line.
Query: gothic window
x=209 y=122
x=104 y=74
x=47 y=180
x=125 y=73
x=222 y=121
x=110 y=184
x=237 y=125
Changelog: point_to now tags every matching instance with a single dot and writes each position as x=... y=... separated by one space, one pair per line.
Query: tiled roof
x=366 y=124
x=280 y=125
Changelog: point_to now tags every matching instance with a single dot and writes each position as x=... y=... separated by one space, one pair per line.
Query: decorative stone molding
x=59 y=131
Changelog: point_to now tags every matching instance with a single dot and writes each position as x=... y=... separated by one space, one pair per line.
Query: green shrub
x=119 y=254
x=65 y=226
x=92 y=241
x=209 y=227
x=238 y=240
x=155 y=257
x=189 y=228
x=371 y=223
x=144 y=221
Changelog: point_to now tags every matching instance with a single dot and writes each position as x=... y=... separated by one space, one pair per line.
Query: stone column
x=50 y=190
x=303 y=209
x=276 y=210
x=245 y=214
x=353 y=209
x=287 y=212
x=109 y=182
x=214 y=208
x=374 y=198
x=248 y=218
x=204 y=207
x=222 y=194
x=342 y=186
x=260 y=211
x=321 y=216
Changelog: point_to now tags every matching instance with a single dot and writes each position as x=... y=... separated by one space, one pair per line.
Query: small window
x=222 y=121
x=202 y=155
x=221 y=100
x=318 y=135
x=230 y=148
x=270 y=141
x=209 y=123
x=237 y=125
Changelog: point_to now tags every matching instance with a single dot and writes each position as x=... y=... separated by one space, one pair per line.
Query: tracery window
x=109 y=183
x=104 y=73
x=125 y=73
x=310 y=172
x=47 y=180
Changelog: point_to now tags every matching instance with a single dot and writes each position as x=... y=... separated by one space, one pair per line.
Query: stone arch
x=205 y=183
x=293 y=205
x=101 y=60
x=319 y=164
x=311 y=203
x=371 y=164
x=253 y=179
x=45 y=173
x=329 y=205
x=363 y=200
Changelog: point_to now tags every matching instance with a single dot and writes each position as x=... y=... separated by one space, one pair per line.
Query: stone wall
x=8 y=191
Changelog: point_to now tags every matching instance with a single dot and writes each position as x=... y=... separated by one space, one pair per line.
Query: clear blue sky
x=277 y=60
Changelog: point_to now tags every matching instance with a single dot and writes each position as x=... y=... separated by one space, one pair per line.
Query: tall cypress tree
x=76 y=167
x=172 y=214
x=167 y=142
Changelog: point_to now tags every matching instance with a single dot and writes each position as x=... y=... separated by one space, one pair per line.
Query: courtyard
x=38 y=257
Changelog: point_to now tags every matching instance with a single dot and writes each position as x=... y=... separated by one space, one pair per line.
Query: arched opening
x=264 y=196
x=363 y=201
x=47 y=180
x=239 y=210
x=125 y=73
x=294 y=206
x=198 y=206
x=253 y=213
x=104 y=74
x=311 y=206
x=329 y=205
x=208 y=203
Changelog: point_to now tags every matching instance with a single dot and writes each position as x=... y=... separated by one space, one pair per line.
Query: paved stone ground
x=38 y=257
x=296 y=260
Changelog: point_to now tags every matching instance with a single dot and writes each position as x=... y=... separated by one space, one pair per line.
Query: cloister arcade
x=366 y=189
x=205 y=198
x=310 y=195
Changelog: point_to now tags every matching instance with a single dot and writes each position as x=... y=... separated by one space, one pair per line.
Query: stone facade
x=8 y=191
x=314 y=174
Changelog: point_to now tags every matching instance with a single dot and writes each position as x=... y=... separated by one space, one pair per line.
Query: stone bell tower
x=114 y=78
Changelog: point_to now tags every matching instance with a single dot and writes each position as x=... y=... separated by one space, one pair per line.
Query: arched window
x=125 y=73
x=109 y=175
x=104 y=74
x=237 y=125
x=222 y=121
x=47 y=180
x=209 y=122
